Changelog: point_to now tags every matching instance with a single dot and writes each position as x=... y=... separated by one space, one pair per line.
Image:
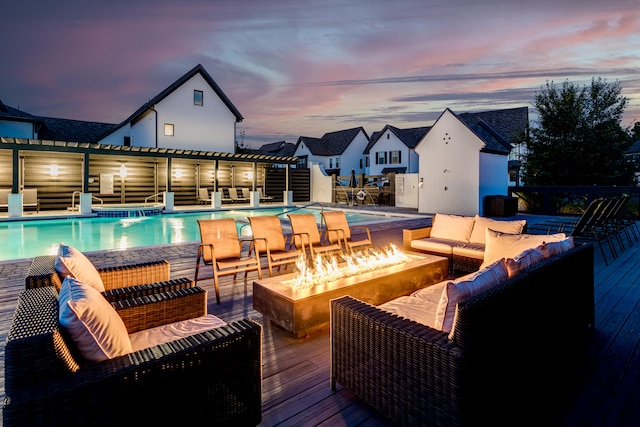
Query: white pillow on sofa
x=502 y=245
x=524 y=260
x=479 y=232
x=550 y=249
x=72 y=262
x=466 y=287
x=452 y=227
x=91 y=322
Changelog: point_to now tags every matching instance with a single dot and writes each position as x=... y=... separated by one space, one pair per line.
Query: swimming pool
x=27 y=239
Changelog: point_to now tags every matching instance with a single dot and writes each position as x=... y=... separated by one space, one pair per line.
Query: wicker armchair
x=214 y=375
x=121 y=282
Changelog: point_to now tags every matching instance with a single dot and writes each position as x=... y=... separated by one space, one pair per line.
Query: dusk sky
x=295 y=67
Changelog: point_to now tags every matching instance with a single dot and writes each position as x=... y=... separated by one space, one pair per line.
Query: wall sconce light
x=250 y=175
x=177 y=173
x=123 y=171
x=54 y=170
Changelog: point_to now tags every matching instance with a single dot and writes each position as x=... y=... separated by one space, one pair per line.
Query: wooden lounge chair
x=306 y=236
x=30 y=198
x=221 y=249
x=270 y=241
x=263 y=197
x=233 y=194
x=203 y=196
x=338 y=231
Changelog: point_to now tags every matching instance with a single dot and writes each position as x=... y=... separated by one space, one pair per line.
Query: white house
x=462 y=160
x=393 y=150
x=337 y=152
x=192 y=114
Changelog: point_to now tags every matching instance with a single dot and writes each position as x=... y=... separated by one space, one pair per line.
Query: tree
x=579 y=139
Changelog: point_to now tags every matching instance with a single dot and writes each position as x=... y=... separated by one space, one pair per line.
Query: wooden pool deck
x=296 y=388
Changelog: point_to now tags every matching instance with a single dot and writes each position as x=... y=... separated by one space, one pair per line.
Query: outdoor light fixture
x=123 y=171
x=250 y=175
x=54 y=170
x=177 y=174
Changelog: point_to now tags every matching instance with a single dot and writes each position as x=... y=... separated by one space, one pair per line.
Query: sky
x=303 y=68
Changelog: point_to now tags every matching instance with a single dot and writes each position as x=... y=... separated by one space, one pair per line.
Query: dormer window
x=198 y=97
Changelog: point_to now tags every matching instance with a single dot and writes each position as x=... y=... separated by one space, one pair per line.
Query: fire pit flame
x=327 y=270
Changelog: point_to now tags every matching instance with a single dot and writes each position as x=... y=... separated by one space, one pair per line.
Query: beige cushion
x=174 y=331
x=501 y=245
x=72 y=262
x=469 y=250
x=452 y=227
x=415 y=309
x=479 y=232
x=550 y=249
x=91 y=322
x=524 y=260
x=435 y=245
x=466 y=287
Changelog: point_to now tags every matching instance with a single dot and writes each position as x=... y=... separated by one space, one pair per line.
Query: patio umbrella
x=352 y=180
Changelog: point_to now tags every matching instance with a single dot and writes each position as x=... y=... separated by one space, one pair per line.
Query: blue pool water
x=27 y=239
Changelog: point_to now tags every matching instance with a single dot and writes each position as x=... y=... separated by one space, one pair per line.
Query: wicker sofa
x=214 y=375
x=460 y=238
x=512 y=356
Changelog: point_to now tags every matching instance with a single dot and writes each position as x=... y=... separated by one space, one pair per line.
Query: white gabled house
x=337 y=152
x=462 y=160
x=192 y=114
x=393 y=150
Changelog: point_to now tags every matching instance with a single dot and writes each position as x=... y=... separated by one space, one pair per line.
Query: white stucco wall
x=449 y=168
x=350 y=158
x=16 y=129
x=117 y=137
x=494 y=177
x=321 y=188
x=407 y=191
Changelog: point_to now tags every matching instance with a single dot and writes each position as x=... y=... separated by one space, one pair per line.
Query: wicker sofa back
x=214 y=375
x=513 y=355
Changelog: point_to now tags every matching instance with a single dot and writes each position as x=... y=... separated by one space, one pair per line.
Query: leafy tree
x=579 y=140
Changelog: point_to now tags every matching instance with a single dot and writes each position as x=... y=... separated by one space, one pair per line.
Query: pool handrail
x=73 y=200
x=146 y=199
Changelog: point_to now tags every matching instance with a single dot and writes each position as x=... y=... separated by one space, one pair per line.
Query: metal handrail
x=151 y=196
x=73 y=200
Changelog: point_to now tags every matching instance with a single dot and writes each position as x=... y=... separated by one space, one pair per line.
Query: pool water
x=27 y=239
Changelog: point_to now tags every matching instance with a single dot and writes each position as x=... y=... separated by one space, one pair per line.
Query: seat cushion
x=411 y=308
x=173 y=331
x=435 y=245
x=91 y=322
x=72 y=262
x=452 y=227
x=502 y=245
x=466 y=287
x=479 y=232
x=470 y=250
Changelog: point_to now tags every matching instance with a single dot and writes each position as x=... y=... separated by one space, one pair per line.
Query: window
x=198 y=97
x=388 y=135
x=381 y=158
x=337 y=162
x=127 y=141
x=168 y=129
x=360 y=163
x=330 y=163
x=366 y=159
x=394 y=157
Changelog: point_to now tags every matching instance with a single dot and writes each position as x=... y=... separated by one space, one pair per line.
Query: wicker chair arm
x=413 y=234
x=214 y=375
x=42 y=272
x=161 y=308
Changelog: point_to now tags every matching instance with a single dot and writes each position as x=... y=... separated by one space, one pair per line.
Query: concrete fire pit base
x=303 y=311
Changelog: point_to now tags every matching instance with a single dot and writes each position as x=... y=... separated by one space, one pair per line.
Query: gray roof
x=331 y=143
x=55 y=129
x=494 y=142
x=410 y=137
x=511 y=123
x=635 y=148
x=281 y=148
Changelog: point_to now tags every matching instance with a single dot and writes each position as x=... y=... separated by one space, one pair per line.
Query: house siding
x=408 y=158
x=16 y=129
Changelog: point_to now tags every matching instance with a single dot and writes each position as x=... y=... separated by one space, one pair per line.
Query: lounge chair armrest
x=120 y=294
x=135 y=274
x=413 y=234
x=159 y=309
x=362 y=227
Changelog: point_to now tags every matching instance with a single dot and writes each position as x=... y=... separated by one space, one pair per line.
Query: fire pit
x=302 y=310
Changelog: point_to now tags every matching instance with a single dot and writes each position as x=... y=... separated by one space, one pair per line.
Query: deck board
x=296 y=388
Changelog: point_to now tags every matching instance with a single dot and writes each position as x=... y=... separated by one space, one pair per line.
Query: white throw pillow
x=502 y=245
x=466 y=287
x=72 y=262
x=525 y=260
x=91 y=322
x=550 y=249
x=452 y=227
x=479 y=232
